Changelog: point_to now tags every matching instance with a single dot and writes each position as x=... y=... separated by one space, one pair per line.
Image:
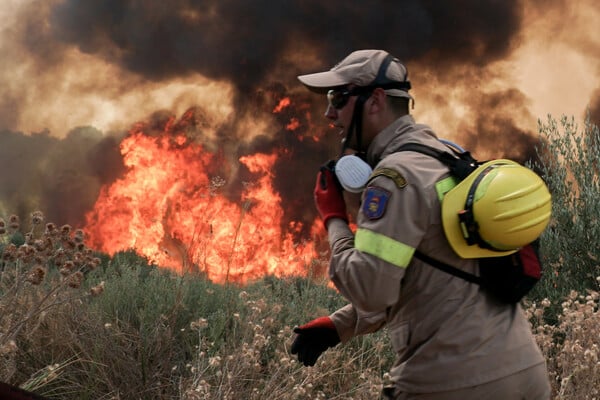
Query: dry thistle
x=13 y=222
x=37 y=217
x=65 y=230
x=199 y=324
x=79 y=236
x=92 y=262
x=60 y=256
x=25 y=253
x=10 y=252
x=78 y=259
x=67 y=268
x=50 y=229
x=97 y=290
x=75 y=280
x=36 y=275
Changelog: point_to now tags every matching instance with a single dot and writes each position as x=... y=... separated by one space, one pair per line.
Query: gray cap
x=360 y=68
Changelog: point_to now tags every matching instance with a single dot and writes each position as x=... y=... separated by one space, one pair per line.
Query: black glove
x=313 y=339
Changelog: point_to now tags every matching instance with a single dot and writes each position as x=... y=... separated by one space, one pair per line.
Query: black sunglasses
x=338 y=98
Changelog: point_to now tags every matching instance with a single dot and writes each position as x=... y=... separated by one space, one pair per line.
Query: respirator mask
x=352 y=173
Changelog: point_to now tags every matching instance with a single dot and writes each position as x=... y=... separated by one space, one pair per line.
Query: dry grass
x=75 y=327
x=571 y=346
x=41 y=270
x=155 y=335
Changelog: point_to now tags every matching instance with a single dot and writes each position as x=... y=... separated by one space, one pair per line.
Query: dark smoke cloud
x=242 y=41
x=60 y=177
x=258 y=46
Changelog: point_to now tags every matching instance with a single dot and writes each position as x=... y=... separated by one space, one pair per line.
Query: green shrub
x=570 y=162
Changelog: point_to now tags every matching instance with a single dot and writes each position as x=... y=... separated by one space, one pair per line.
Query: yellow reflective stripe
x=444 y=186
x=383 y=247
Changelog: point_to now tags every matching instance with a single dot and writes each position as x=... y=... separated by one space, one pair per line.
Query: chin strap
x=356 y=127
x=380 y=81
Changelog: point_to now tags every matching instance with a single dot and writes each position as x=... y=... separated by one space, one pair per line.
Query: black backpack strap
x=460 y=164
x=449 y=269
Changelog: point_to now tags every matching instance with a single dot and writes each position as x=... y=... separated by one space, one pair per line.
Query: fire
x=171 y=208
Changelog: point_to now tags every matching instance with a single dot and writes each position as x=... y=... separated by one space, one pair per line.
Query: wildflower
x=36 y=275
x=65 y=230
x=10 y=252
x=96 y=261
x=75 y=280
x=78 y=259
x=97 y=290
x=8 y=348
x=199 y=324
x=39 y=245
x=214 y=361
x=13 y=222
x=545 y=303
x=50 y=229
x=25 y=252
x=59 y=256
x=79 y=236
x=37 y=217
x=69 y=265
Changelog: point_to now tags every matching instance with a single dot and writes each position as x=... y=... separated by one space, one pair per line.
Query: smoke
x=110 y=63
x=61 y=177
x=244 y=42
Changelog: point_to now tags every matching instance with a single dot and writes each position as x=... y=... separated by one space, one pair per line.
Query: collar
x=401 y=131
x=381 y=142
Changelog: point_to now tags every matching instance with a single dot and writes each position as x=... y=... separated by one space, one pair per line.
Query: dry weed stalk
x=262 y=366
x=40 y=269
x=571 y=346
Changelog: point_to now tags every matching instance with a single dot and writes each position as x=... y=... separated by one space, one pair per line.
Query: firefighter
x=451 y=339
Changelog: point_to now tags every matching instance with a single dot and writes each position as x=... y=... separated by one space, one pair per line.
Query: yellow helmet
x=497 y=209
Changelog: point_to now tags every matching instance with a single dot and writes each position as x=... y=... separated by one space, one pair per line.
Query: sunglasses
x=338 y=98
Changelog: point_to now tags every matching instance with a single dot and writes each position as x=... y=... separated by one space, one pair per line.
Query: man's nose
x=330 y=112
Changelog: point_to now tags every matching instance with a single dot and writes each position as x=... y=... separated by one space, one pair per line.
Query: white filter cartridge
x=353 y=173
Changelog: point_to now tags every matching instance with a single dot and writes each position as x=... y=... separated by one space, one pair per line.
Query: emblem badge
x=375 y=202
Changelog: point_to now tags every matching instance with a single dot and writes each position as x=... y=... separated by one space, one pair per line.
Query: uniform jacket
x=447 y=333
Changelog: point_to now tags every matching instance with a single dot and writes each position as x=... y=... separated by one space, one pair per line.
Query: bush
x=569 y=161
x=74 y=324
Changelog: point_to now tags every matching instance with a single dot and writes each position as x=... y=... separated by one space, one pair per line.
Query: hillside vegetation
x=75 y=324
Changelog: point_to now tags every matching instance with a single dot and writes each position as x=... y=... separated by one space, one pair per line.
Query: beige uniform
x=447 y=333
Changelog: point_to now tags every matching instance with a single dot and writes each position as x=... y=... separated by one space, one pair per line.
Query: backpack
x=507 y=278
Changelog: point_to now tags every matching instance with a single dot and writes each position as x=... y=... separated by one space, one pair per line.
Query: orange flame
x=168 y=208
x=283 y=103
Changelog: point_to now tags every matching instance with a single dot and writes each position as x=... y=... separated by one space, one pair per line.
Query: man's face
x=340 y=110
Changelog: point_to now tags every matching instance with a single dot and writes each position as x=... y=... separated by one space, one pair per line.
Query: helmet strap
x=356 y=126
x=468 y=224
x=381 y=81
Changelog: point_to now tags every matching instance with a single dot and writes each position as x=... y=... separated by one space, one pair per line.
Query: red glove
x=313 y=339
x=328 y=195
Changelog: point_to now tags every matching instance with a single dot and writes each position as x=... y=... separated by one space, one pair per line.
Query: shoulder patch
x=375 y=202
x=394 y=175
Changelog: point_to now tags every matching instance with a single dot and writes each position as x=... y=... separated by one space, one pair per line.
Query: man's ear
x=377 y=100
